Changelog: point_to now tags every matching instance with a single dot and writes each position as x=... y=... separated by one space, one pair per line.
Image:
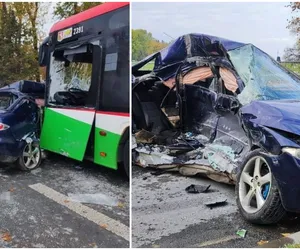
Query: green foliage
x=292 y=246
x=149 y=66
x=19 y=41
x=143 y=44
x=66 y=9
x=293 y=53
x=21 y=31
x=8 y=43
x=294 y=67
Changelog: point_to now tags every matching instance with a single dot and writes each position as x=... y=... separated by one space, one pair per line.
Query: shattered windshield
x=264 y=78
x=66 y=77
x=6 y=99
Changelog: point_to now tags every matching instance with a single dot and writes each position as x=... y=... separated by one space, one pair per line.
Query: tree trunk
x=33 y=16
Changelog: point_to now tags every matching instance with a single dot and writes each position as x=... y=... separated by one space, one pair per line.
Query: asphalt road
x=36 y=209
x=165 y=215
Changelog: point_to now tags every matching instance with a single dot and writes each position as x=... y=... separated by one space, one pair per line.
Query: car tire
x=126 y=158
x=266 y=207
x=31 y=157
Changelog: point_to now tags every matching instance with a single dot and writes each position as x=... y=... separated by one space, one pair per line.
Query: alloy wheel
x=31 y=155
x=255 y=184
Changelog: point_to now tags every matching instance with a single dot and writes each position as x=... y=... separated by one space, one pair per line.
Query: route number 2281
x=77 y=30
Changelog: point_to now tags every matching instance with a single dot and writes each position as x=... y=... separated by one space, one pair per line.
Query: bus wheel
x=30 y=158
x=126 y=157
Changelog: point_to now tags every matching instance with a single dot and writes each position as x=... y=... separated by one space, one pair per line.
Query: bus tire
x=126 y=158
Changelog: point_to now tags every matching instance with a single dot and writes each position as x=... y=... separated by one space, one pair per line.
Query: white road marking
x=113 y=226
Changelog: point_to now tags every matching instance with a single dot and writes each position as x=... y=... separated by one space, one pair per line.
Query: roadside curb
x=291 y=239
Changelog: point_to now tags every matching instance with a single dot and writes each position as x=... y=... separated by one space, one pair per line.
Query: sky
x=262 y=24
x=49 y=18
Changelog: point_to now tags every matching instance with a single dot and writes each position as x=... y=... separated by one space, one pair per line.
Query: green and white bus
x=86 y=112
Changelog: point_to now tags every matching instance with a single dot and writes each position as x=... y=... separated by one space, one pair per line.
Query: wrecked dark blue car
x=20 y=118
x=226 y=110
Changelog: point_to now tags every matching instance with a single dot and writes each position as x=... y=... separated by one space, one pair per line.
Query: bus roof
x=88 y=14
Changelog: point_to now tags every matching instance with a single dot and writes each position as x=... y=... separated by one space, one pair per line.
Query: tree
x=143 y=44
x=9 y=44
x=140 y=42
x=66 y=9
x=294 y=22
x=156 y=45
x=20 y=29
x=292 y=54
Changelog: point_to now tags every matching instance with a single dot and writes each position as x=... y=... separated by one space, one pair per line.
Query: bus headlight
x=292 y=151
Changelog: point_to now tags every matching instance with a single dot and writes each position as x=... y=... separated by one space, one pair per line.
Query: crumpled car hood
x=280 y=114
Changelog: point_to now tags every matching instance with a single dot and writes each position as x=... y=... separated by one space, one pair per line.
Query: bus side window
x=115 y=96
x=116 y=82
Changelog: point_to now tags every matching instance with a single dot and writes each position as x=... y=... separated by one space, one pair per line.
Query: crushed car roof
x=189 y=45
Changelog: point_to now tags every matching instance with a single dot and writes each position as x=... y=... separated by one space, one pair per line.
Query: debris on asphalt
x=6 y=236
x=285 y=234
x=155 y=246
x=78 y=167
x=145 y=178
x=211 y=205
x=241 y=233
x=158 y=172
x=99 y=198
x=195 y=189
x=144 y=136
x=262 y=242
x=5 y=196
x=93 y=245
x=36 y=171
x=120 y=205
x=103 y=226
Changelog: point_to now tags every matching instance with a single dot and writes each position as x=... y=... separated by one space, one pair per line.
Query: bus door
x=72 y=93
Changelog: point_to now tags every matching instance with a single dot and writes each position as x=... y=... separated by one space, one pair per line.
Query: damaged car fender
x=268 y=128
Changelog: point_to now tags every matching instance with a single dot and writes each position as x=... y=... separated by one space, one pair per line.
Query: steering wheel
x=72 y=89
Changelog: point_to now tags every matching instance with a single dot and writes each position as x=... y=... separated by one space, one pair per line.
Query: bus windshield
x=70 y=75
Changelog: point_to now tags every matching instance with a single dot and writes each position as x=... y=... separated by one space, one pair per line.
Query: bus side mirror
x=43 y=53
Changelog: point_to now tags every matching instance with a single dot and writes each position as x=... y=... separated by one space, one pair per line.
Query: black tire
x=126 y=158
x=272 y=210
x=21 y=160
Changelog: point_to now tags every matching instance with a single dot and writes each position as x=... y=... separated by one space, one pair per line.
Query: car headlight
x=292 y=151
